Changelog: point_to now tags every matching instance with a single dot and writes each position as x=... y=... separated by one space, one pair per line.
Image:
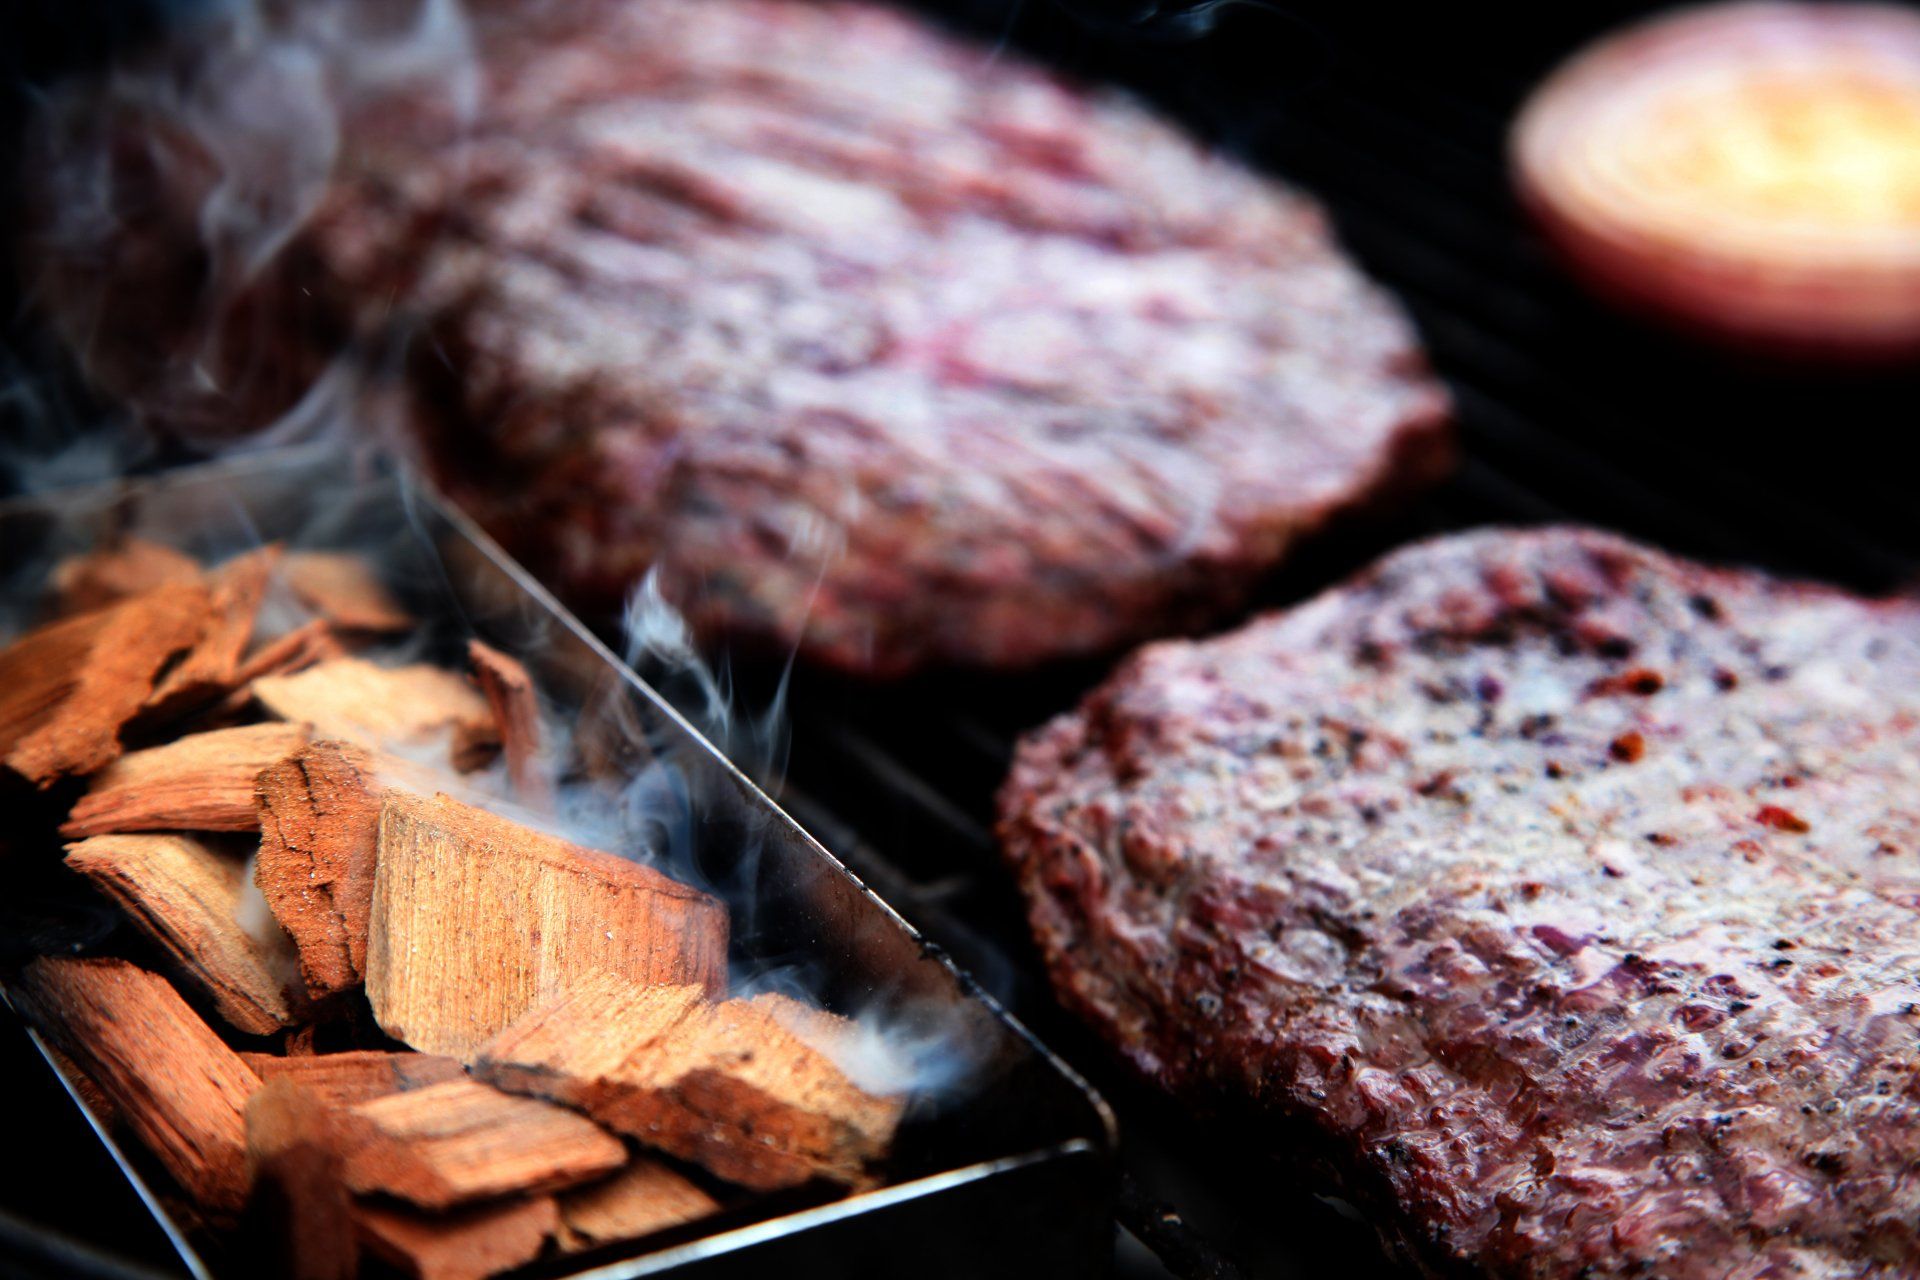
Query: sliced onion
x=1750 y=170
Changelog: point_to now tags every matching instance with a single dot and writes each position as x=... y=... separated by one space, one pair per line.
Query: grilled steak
x=872 y=341
x=1563 y=894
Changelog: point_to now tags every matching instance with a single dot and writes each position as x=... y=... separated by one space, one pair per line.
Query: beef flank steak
x=1566 y=893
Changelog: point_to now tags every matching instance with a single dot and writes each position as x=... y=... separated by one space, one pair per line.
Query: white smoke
x=163 y=195
x=210 y=156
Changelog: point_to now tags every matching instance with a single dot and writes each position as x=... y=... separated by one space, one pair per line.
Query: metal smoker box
x=1005 y=1169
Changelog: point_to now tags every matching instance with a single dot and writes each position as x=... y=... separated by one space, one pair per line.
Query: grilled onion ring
x=1750 y=171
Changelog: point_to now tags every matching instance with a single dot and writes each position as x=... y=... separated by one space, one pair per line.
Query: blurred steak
x=873 y=340
x=1562 y=893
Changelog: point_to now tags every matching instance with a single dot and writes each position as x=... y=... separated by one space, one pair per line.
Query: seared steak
x=1565 y=895
x=872 y=340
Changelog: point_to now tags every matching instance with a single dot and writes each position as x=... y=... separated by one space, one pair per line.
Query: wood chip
x=211 y=668
x=379 y=707
x=319 y=820
x=295 y=1126
x=182 y=1091
x=308 y=1142
x=67 y=688
x=516 y=714
x=827 y=1032
x=345 y=590
x=645 y=1198
x=359 y=1075
x=99 y=578
x=296 y=1166
x=475 y=745
x=188 y=897
x=726 y=1086
x=91 y=1094
x=460 y=1141
x=306 y=645
x=467 y=1244
x=202 y=782
x=833 y=1035
x=476 y=919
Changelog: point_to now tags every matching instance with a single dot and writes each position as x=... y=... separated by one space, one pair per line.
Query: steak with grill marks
x=1563 y=894
x=871 y=340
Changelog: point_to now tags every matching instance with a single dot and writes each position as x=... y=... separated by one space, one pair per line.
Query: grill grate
x=1395 y=117
x=1566 y=412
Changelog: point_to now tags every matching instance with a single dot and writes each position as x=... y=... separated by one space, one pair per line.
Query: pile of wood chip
x=391 y=1024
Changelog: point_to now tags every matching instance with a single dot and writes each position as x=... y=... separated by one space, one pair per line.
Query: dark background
x=1396 y=117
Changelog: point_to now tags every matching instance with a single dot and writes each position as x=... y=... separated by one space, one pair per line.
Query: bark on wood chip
x=306 y=645
x=727 y=1086
x=202 y=782
x=182 y=1091
x=345 y=590
x=644 y=1198
x=66 y=689
x=211 y=668
x=319 y=819
x=467 y=1244
x=516 y=714
x=477 y=918
x=460 y=1141
x=188 y=897
x=359 y=1075
x=99 y=578
x=379 y=707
